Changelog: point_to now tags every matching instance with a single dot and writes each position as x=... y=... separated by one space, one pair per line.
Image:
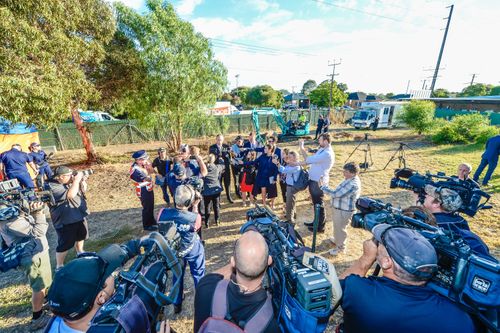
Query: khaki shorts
x=39 y=272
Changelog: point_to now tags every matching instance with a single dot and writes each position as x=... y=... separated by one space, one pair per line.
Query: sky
x=381 y=45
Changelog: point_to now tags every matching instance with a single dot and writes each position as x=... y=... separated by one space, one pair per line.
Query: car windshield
x=360 y=115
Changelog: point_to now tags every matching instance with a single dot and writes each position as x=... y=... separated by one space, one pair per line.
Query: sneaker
x=40 y=322
x=336 y=250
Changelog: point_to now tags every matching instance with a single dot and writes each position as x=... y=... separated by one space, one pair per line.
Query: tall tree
x=477 y=89
x=241 y=92
x=321 y=95
x=342 y=86
x=441 y=93
x=264 y=95
x=47 y=49
x=182 y=75
x=309 y=86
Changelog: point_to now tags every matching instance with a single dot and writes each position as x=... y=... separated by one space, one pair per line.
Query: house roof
x=373 y=98
x=401 y=96
x=357 y=96
x=295 y=97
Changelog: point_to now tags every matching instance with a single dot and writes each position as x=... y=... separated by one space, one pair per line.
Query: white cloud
x=263 y=5
x=186 y=7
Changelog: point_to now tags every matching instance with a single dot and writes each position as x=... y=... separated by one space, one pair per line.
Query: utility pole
x=472 y=80
x=408 y=86
x=436 y=71
x=332 y=78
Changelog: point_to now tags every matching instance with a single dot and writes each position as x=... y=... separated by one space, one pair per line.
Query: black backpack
x=302 y=180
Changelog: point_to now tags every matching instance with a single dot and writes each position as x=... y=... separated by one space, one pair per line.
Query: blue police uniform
x=40 y=159
x=191 y=248
x=144 y=190
x=14 y=162
x=489 y=158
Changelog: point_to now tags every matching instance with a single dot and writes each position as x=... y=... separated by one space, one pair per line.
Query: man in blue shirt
x=40 y=158
x=13 y=165
x=489 y=158
x=140 y=174
x=319 y=127
x=399 y=301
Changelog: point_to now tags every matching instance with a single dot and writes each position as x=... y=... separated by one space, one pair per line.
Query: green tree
x=495 y=91
x=183 y=76
x=389 y=95
x=477 y=89
x=284 y=92
x=264 y=95
x=419 y=115
x=309 y=86
x=242 y=93
x=227 y=97
x=47 y=50
x=441 y=93
x=321 y=95
x=342 y=86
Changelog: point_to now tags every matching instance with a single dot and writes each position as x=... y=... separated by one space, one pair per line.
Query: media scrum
x=304 y=286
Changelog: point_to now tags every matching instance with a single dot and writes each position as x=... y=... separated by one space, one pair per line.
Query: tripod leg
x=393 y=157
x=348 y=157
x=370 y=152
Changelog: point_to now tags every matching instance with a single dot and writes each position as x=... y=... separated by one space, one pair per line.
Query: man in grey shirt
x=320 y=164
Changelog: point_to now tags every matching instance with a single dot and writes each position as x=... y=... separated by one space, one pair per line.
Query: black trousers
x=215 y=200
x=148 y=206
x=226 y=180
x=235 y=169
x=318 y=132
x=283 y=190
x=317 y=196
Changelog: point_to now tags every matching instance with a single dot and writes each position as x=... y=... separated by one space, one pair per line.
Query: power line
x=257 y=47
x=357 y=10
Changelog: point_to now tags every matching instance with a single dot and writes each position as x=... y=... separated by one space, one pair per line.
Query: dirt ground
x=116 y=213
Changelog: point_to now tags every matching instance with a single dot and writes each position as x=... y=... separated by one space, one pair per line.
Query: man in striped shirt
x=343 y=202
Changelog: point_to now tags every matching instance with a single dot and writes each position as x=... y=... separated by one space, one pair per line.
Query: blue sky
x=382 y=44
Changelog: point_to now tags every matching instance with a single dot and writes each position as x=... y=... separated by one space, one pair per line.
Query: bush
x=419 y=115
x=470 y=128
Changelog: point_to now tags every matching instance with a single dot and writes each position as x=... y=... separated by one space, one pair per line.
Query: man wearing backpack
x=232 y=298
x=17 y=227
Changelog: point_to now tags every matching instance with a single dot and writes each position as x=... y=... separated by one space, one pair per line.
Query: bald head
x=251 y=255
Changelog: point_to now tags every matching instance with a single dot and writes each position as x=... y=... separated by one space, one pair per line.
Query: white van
x=386 y=112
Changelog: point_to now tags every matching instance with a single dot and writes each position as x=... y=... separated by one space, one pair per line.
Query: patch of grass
x=15 y=299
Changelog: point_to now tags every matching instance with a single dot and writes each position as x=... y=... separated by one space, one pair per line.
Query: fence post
x=59 y=139
x=129 y=131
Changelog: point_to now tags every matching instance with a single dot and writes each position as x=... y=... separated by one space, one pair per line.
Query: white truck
x=95 y=116
x=386 y=112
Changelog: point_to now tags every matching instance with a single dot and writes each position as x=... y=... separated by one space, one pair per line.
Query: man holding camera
x=221 y=151
x=187 y=223
x=140 y=173
x=238 y=285
x=398 y=301
x=16 y=226
x=69 y=212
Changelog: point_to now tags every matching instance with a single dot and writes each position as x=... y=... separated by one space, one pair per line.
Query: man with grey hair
x=375 y=304
x=463 y=173
x=239 y=284
x=187 y=222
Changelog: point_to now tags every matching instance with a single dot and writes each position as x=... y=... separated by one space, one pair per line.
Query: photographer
x=85 y=284
x=344 y=198
x=140 y=173
x=222 y=155
x=242 y=290
x=212 y=189
x=69 y=212
x=187 y=223
x=16 y=226
x=375 y=304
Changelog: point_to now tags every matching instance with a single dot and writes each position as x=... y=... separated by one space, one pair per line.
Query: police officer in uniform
x=40 y=159
x=222 y=155
x=140 y=173
x=13 y=165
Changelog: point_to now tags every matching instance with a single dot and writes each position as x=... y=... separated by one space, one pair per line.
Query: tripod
x=401 y=156
x=368 y=162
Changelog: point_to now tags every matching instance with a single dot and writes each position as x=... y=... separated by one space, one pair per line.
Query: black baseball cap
x=76 y=285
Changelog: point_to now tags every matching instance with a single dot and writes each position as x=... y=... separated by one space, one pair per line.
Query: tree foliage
x=495 y=91
x=441 y=93
x=419 y=115
x=309 y=86
x=478 y=89
x=321 y=95
x=264 y=95
x=241 y=93
x=183 y=78
x=47 y=50
x=470 y=128
x=342 y=86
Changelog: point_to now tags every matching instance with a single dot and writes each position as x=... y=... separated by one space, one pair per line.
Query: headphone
x=191 y=198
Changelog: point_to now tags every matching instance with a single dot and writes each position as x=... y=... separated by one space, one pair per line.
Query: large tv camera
x=195 y=182
x=13 y=194
x=149 y=280
x=301 y=283
x=468 y=191
x=463 y=277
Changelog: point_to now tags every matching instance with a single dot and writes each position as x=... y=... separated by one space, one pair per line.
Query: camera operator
x=241 y=283
x=187 y=223
x=16 y=226
x=69 y=212
x=13 y=166
x=398 y=301
x=84 y=285
x=140 y=173
x=222 y=155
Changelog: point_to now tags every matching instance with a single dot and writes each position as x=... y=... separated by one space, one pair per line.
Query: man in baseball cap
x=398 y=301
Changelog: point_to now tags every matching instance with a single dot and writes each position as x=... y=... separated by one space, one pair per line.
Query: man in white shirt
x=319 y=168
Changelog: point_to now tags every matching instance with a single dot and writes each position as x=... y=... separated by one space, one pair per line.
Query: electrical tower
x=436 y=71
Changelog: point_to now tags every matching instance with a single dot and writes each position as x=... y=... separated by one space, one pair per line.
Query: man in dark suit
x=489 y=158
x=223 y=157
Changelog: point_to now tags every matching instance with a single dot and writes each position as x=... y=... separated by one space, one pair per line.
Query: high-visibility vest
x=139 y=185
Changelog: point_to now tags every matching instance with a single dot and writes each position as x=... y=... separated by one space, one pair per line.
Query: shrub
x=419 y=115
x=471 y=128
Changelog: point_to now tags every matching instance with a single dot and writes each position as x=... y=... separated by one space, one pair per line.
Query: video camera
x=195 y=182
x=13 y=194
x=463 y=277
x=302 y=284
x=468 y=191
x=148 y=279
